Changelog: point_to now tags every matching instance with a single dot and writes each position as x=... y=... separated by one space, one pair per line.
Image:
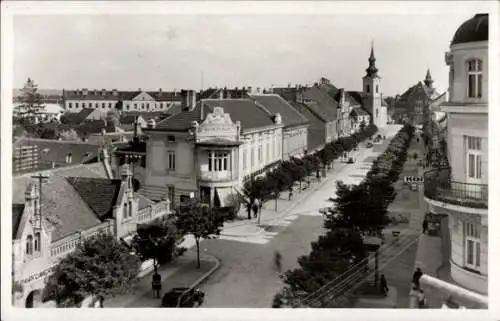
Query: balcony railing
x=216 y=175
x=439 y=186
x=154 y=211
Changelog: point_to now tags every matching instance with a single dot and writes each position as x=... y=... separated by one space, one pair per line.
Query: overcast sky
x=186 y=51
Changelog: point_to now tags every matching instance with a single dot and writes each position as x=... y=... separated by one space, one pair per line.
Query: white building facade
x=461 y=191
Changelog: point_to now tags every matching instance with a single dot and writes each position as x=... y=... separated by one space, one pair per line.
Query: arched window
x=29 y=245
x=38 y=239
x=474 y=78
x=125 y=210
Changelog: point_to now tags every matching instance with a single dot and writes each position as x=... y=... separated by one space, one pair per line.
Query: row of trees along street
x=102 y=266
x=284 y=176
x=358 y=211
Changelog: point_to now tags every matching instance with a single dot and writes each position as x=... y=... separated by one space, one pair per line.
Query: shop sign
x=38 y=275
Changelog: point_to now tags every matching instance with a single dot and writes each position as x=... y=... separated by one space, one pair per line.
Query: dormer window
x=474 y=78
x=69 y=158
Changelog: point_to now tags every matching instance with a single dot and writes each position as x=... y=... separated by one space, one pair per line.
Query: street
x=248 y=277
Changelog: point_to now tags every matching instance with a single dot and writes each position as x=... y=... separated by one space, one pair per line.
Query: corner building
x=461 y=191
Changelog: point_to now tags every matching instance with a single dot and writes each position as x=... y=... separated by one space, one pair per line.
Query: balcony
x=217 y=176
x=439 y=187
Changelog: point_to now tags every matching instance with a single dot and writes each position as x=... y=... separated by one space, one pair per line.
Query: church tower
x=428 y=79
x=373 y=92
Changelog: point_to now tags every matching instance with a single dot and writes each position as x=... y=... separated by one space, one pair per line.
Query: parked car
x=369 y=145
x=182 y=297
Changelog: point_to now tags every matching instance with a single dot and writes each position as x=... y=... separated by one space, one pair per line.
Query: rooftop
x=474 y=29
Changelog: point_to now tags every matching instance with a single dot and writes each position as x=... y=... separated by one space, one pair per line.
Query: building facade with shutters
x=461 y=191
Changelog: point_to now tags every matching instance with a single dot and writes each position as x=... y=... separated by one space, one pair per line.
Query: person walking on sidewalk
x=425 y=226
x=290 y=193
x=249 y=210
x=383 y=285
x=156 y=284
x=416 y=277
x=255 y=207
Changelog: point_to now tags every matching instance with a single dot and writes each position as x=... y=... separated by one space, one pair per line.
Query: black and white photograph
x=300 y=157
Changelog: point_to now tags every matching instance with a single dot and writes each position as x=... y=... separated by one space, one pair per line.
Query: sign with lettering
x=38 y=275
x=413 y=180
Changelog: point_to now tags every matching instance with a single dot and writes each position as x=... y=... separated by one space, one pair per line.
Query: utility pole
x=41 y=180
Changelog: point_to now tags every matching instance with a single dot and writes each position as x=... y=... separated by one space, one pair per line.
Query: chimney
x=188 y=100
x=159 y=90
x=85 y=91
x=249 y=90
x=115 y=92
x=221 y=93
x=258 y=90
x=103 y=92
x=289 y=85
x=139 y=89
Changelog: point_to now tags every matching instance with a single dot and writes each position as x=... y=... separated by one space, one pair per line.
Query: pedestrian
x=101 y=301
x=156 y=284
x=421 y=299
x=416 y=277
x=255 y=207
x=249 y=210
x=425 y=226
x=290 y=193
x=383 y=285
x=277 y=260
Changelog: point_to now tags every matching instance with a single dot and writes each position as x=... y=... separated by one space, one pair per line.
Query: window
x=109 y=105
x=70 y=105
x=147 y=106
x=103 y=105
x=171 y=139
x=472 y=245
x=130 y=209
x=29 y=245
x=367 y=88
x=218 y=161
x=69 y=157
x=37 y=241
x=125 y=210
x=473 y=145
x=475 y=78
x=76 y=105
x=142 y=105
x=90 y=105
x=128 y=107
x=135 y=106
x=83 y=105
x=376 y=89
x=244 y=156
x=171 y=160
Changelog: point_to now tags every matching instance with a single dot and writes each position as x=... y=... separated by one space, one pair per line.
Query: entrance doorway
x=205 y=195
x=33 y=299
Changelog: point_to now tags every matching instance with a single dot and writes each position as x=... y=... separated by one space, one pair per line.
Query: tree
x=156 y=241
x=100 y=266
x=199 y=220
x=113 y=118
x=30 y=99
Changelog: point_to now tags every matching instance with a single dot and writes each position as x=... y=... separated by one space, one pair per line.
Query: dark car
x=369 y=145
x=183 y=298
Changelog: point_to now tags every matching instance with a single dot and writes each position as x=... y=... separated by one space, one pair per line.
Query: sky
x=173 y=51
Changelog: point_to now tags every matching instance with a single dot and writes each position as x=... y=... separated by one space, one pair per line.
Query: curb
x=288 y=208
x=204 y=277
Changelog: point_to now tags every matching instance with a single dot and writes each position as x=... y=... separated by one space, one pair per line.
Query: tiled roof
x=100 y=194
x=323 y=100
x=207 y=93
x=129 y=117
x=288 y=93
x=62 y=207
x=357 y=96
x=219 y=142
x=17 y=212
x=181 y=120
x=57 y=150
x=79 y=117
x=244 y=110
x=277 y=105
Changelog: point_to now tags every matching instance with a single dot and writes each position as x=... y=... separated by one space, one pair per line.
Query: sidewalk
x=181 y=272
x=242 y=227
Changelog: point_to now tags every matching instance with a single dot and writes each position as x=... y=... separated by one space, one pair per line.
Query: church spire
x=371 y=71
x=428 y=79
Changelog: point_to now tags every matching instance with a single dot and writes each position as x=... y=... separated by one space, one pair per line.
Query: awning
x=225 y=196
x=240 y=192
